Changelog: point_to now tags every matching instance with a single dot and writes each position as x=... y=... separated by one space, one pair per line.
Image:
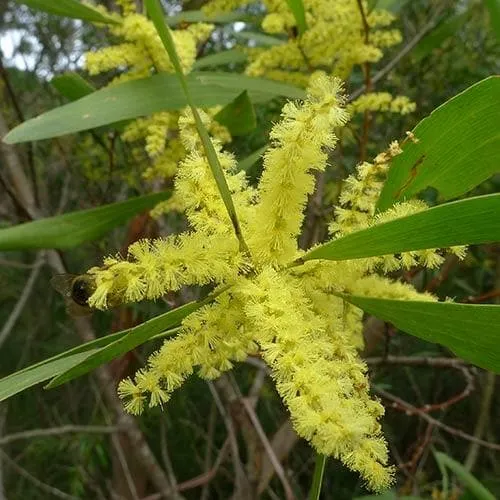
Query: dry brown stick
x=482 y=420
x=454 y=363
x=242 y=487
x=367 y=86
x=21 y=302
x=206 y=477
x=488 y=391
x=125 y=467
x=86 y=333
x=32 y=479
x=466 y=392
x=167 y=462
x=405 y=50
x=208 y=448
x=58 y=431
x=21 y=188
x=450 y=262
x=412 y=463
x=409 y=409
x=20 y=117
x=201 y=479
x=417 y=361
x=267 y=446
x=282 y=442
x=492 y=294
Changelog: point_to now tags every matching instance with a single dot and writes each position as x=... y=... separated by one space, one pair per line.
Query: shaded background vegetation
x=190 y=440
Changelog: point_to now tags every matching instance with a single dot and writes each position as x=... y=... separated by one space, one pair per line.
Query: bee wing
x=62 y=283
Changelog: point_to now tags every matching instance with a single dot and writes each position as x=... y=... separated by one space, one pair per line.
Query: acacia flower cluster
x=267 y=304
x=335 y=41
x=334 y=37
x=140 y=54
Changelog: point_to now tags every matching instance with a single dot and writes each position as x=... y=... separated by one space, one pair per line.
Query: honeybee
x=76 y=290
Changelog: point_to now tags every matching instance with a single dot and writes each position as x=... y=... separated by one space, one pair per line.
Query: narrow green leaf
x=297 y=8
x=319 y=469
x=134 y=338
x=71 y=8
x=438 y=35
x=56 y=365
x=238 y=116
x=252 y=158
x=259 y=89
x=142 y=97
x=7 y=385
x=220 y=58
x=470 y=331
x=72 y=86
x=466 y=478
x=259 y=38
x=445 y=480
x=457 y=148
x=48 y=368
x=19 y=381
x=74 y=228
x=493 y=7
x=471 y=221
x=198 y=16
x=155 y=12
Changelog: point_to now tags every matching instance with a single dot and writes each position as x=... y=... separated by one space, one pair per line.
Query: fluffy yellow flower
x=292 y=315
x=289 y=165
x=382 y=101
x=334 y=38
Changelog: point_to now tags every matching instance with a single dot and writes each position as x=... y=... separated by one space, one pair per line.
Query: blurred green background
x=189 y=439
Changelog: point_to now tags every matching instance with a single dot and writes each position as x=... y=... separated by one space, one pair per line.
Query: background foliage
x=429 y=406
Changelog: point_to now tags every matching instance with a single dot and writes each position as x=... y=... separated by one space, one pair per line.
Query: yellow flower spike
x=335 y=413
x=287 y=179
x=382 y=101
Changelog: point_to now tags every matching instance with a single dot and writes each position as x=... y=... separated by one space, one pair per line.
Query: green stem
x=156 y=14
x=319 y=469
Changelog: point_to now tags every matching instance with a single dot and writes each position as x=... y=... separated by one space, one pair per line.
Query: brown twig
x=488 y=391
x=269 y=451
x=412 y=463
x=493 y=294
x=51 y=490
x=206 y=477
x=20 y=117
x=208 y=448
x=367 y=86
x=466 y=392
x=405 y=50
x=241 y=482
x=282 y=442
x=409 y=409
x=85 y=330
x=482 y=420
x=167 y=462
x=417 y=361
x=58 y=431
x=450 y=262
x=21 y=302
x=10 y=192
